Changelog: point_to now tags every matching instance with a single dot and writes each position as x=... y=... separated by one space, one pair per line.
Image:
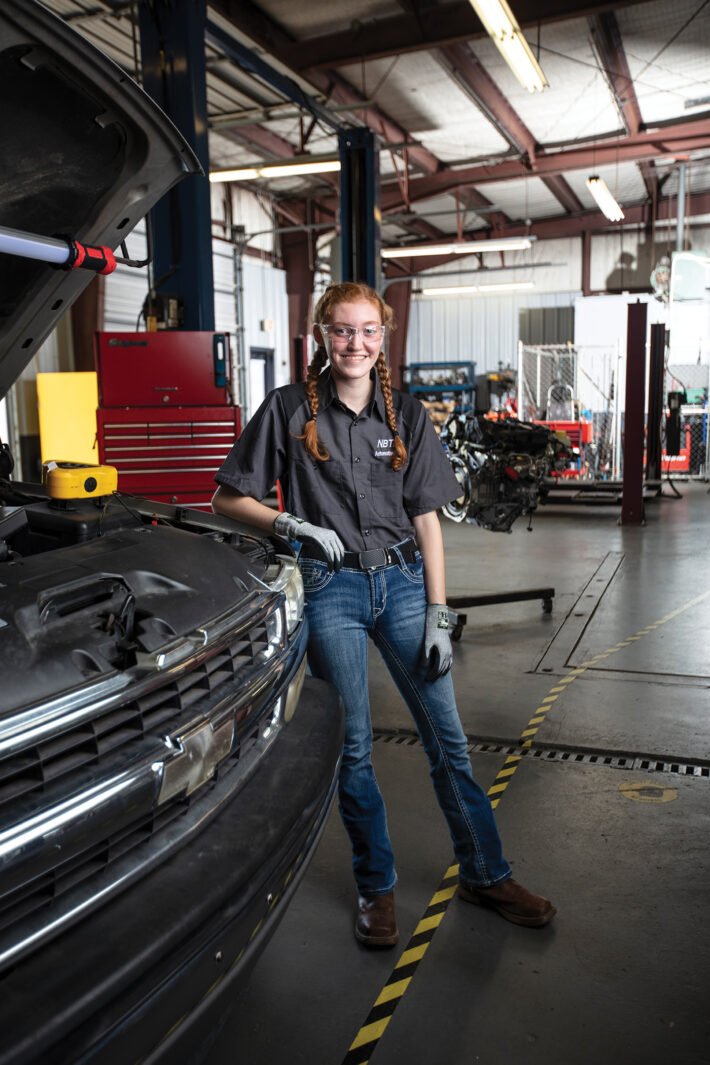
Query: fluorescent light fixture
x=466 y=247
x=451 y=290
x=507 y=286
x=272 y=170
x=607 y=204
x=458 y=290
x=501 y=24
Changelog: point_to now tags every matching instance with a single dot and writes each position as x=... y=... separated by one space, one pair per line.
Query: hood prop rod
x=62 y=252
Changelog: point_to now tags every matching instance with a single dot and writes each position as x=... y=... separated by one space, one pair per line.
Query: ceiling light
x=457 y=290
x=465 y=247
x=501 y=24
x=451 y=290
x=508 y=286
x=607 y=204
x=271 y=170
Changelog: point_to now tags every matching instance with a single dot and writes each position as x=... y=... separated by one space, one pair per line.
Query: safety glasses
x=345 y=333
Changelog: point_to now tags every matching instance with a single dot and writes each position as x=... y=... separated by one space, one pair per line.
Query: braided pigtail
x=315 y=447
x=399 y=452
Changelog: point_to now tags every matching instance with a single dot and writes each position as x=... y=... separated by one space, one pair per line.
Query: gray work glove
x=437 y=652
x=325 y=539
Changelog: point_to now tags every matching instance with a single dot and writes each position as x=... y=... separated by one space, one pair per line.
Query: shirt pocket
x=387 y=487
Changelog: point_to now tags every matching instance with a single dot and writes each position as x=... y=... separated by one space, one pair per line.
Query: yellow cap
x=78 y=480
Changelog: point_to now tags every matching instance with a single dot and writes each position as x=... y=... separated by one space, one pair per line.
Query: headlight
x=290 y=583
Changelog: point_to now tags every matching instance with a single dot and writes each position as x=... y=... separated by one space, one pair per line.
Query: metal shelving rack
x=465 y=389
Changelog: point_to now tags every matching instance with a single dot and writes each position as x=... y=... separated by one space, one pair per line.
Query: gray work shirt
x=355 y=492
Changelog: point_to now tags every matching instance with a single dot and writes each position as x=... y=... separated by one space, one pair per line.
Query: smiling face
x=352 y=357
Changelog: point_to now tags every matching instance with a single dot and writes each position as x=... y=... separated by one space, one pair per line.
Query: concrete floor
x=607 y=814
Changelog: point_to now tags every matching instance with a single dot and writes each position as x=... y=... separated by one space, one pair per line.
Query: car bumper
x=147 y=974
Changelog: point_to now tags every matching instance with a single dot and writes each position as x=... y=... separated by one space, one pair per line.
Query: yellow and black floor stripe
x=391 y=995
x=401 y=976
x=528 y=734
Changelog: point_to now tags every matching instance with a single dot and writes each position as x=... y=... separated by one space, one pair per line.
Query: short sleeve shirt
x=355 y=492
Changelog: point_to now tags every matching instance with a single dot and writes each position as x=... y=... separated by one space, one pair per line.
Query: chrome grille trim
x=78 y=822
x=28 y=726
x=55 y=899
x=139 y=861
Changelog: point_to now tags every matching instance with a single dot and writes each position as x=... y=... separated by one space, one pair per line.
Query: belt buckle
x=381 y=555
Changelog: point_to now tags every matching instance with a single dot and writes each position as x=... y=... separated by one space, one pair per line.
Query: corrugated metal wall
x=625 y=259
x=461 y=328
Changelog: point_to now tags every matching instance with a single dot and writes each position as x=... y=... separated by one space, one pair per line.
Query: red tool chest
x=165 y=419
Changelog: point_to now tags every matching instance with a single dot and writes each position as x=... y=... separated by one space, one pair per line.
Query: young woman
x=363 y=474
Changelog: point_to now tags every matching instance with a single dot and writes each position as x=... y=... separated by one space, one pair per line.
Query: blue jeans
x=389 y=606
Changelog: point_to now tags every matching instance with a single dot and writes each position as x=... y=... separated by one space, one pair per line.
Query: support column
x=680 y=219
x=586 y=263
x=360 y=207
x=632 y=495
x=655 y=403
x=299 y=263
x=398 y=295
x=172 y=34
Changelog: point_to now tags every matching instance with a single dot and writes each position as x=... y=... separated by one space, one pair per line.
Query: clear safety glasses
x=371 y=334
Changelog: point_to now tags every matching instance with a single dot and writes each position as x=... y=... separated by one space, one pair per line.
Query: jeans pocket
x=414 y=571
x=316 y=575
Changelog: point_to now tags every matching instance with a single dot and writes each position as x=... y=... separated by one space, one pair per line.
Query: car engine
x=502 y=466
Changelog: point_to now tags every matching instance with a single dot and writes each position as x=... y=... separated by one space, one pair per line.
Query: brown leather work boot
x=512 y=901
x=375 y=925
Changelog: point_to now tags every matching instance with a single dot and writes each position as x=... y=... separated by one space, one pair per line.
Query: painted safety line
x=366 y=1040
x=391 y=995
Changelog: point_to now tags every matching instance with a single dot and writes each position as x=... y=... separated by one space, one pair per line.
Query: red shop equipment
x=166 y=417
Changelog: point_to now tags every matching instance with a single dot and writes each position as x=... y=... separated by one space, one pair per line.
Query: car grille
x=125 y=847
x=117 y=729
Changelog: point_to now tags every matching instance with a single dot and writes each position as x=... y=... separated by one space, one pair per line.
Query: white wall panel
x=126 y=288
x=485 y=329
x=625 y=259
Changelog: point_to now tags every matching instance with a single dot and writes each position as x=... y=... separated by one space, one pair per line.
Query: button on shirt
x=355 y=492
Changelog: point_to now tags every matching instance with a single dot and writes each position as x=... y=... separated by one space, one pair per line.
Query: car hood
x=61 y=609
x=85 y=155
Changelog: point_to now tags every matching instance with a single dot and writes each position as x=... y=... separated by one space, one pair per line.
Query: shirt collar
x=328 y=394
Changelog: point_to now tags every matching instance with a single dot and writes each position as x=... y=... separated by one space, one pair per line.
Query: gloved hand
x=328 y=541
x=437 y=652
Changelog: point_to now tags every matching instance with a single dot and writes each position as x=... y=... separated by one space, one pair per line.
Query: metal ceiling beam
x=606 y=36
x=429 y=28
x=590 y=222
x=249 y=19
x=264 y=140
x=272 y=37
x=669 y=140
x=474 y=79
x=248 y=60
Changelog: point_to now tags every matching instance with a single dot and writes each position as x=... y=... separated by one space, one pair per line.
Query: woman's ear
x=319 y=338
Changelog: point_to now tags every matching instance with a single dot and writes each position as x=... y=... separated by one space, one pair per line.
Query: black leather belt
x=373 y=559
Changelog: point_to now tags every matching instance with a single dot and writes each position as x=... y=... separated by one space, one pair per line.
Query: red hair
x=349 y=292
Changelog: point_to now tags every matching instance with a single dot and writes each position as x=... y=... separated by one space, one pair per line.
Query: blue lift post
x=172 y=44
x=359 y=164
x=360 y=215
x=172 y=36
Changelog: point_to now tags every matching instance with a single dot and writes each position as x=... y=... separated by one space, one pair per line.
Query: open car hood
x=85 y=155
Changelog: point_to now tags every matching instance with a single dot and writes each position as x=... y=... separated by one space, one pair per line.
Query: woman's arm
x=431 y=545
x=242 y=508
